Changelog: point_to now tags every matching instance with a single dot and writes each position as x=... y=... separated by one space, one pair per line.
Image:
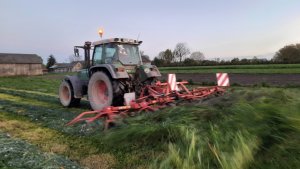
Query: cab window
x=98 y=55
x=109 y=52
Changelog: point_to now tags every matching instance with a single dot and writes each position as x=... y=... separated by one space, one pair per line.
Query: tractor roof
x=118 y=40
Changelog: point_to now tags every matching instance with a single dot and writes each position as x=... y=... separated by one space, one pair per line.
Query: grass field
x=248 y=127
x=271 y=68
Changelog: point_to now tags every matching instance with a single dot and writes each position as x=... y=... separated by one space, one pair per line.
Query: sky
x=218 y=28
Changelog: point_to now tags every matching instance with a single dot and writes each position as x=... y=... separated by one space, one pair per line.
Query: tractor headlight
x=147 y=70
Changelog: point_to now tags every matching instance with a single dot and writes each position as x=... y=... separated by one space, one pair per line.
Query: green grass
x=271 y=68
x=251 y=127
x=44 y=83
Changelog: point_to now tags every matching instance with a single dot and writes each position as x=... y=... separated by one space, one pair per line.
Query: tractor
x=118 y=83
x=113 y=76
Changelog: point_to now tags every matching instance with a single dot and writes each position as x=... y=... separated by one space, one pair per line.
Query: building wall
x=77 y=67
x=61 y=69
x=20 y=69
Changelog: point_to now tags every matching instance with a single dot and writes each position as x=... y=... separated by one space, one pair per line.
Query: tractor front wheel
x=66 y=95
x=100 y=91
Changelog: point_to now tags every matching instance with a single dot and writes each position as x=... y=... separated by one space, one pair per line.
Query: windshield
x=128 y=54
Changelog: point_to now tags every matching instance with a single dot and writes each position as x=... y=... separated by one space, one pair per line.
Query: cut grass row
x=268 y=68
x=52 y=141
x=16 y=153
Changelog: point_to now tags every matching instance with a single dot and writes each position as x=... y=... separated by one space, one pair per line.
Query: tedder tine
x=80 y=117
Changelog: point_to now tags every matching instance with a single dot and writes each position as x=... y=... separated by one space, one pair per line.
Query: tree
x=161 y=55
x=189 y=62
x=235 y=61
x=198 y=56
x=158 y=62
x=181 y=50
x=51 y=61
x=168 y=56
x=288 y=54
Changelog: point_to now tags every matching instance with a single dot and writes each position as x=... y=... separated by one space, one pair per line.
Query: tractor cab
x=116 y=51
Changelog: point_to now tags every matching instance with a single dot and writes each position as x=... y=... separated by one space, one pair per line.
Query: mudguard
x=111 y=70
x=148 y=71
x=79 y=86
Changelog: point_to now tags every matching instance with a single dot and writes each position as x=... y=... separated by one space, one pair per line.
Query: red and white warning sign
x=223 y=79
x=172 y=81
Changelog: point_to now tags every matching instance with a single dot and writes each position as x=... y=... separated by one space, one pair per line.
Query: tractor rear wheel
x=100 y=91
x=66 y=95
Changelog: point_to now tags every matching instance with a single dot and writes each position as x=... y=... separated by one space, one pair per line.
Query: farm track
x=243 y=78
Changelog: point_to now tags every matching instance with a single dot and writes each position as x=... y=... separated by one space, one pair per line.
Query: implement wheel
x=66 y=95
x=100 y=92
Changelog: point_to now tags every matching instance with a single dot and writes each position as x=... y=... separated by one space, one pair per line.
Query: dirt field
x=243 y=79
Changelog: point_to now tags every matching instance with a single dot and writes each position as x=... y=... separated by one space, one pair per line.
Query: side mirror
x=76 y=52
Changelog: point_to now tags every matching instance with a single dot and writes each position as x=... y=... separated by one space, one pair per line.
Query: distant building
x=77 y=66
x=20 y=64
x=60 y=67
x=68 y=67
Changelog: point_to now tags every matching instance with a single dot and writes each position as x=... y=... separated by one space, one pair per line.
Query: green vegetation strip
x=37 y=84
x=266 y=68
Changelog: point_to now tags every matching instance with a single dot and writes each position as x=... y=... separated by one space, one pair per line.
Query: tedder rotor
x=118 y=81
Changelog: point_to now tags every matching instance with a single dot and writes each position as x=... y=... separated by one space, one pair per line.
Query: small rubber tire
x=66 y=95
x=100 y=91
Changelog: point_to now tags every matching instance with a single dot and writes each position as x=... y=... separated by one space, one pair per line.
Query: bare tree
x=181 y=51
x=197 y=56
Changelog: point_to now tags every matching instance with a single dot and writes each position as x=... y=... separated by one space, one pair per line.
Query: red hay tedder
x=152 y=98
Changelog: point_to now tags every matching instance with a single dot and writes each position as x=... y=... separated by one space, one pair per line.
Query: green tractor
x=114 y=75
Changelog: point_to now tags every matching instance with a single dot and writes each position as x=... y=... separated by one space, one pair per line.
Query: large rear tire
x=100 y=91
x=66 y=95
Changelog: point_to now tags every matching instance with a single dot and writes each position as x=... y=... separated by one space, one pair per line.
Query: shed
x=74 y=66
x=12 y=64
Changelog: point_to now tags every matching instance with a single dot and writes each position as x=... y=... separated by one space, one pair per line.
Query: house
x=68 y=67
x=77 y=66
x=12 y=64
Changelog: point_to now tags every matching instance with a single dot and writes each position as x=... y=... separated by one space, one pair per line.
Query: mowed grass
x=249 y=127
x=265 y=68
